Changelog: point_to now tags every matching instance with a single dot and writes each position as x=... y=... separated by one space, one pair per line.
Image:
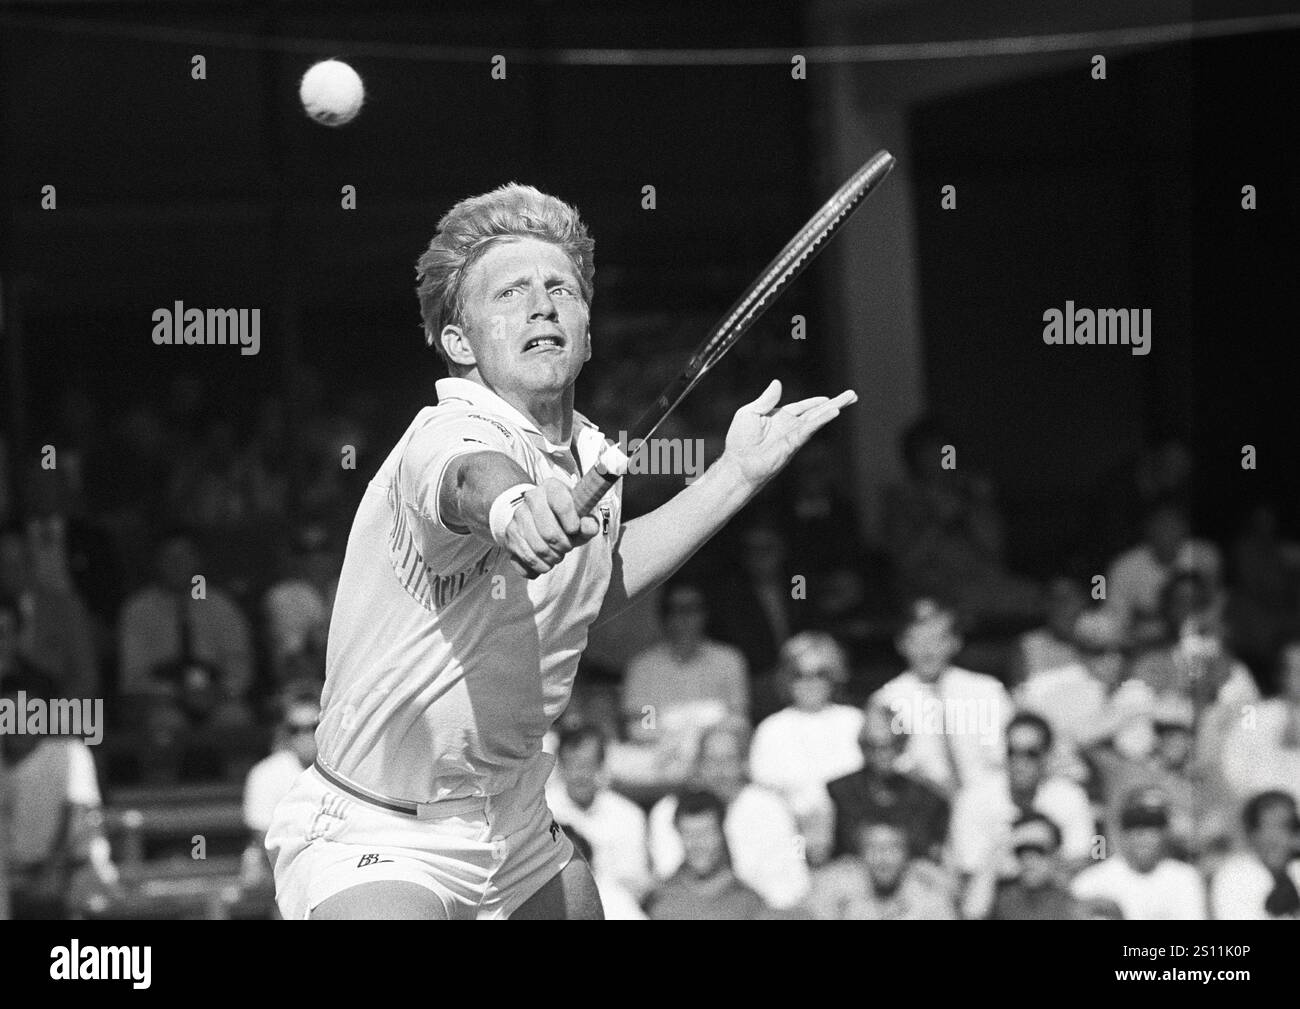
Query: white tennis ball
x=331 y=93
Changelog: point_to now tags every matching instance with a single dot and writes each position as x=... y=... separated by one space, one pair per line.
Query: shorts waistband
x=420 y=810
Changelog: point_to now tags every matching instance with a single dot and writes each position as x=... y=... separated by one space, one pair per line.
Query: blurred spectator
x=617 y=903
x=1036 y=893
x=946 y=535
x=54 y=813
x=298 y=606
x=880 y=791
x=271 y=778
x=1264 y=571
x=1122 y=498
x=1197 y=809
x=762 y=836
x=173 y=643
x=1189 y=660
x=1262 y=750
x=932 y=698
x=756 y=612
x=1053 y=645
x=1140 y=877
x=1138 y=576
x=801 y=748
x=55 y=631
x=705 y=887
x=686 y=683
x=984 y=811
x=882 y=882
x=615 y=826
x=1262 y=882
x=1089 y=700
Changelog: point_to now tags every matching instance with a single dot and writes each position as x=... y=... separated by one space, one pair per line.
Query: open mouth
x=544 y=343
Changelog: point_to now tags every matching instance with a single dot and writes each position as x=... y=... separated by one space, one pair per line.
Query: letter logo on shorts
x=371 y=860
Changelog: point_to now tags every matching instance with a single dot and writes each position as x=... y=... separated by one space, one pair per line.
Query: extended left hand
x=763 y=436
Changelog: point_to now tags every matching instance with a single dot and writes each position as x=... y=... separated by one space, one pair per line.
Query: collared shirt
x=615 y=826
x=445 y=666
x=1242 y=885
x=983 y=814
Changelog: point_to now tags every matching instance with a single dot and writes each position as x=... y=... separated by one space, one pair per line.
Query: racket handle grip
x=591 y=488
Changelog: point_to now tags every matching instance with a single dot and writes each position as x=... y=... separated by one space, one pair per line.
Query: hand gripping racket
x=810 y=240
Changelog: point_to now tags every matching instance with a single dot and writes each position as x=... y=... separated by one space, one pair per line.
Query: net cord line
x=886 y=52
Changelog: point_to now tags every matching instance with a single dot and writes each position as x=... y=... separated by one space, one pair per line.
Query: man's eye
x=566 y=291
x=508 y=291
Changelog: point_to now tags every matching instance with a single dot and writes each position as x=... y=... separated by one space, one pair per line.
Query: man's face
x=1273 y=839
x=684 y=616
x=1026 y=757
x=1143 y=847
x=1035 y=867
x=722 y=764
x=1173 y=746
x=880 y=745
x=929 y=646
x=703 y=843
x=811 y=693
x=580 y=767
x=525 y=318
x=884 y=852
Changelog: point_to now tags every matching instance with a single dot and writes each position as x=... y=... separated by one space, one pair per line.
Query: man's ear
x=588 y=357
x=456 y=346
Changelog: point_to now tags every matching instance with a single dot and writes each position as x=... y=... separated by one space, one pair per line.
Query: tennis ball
x=331 y=93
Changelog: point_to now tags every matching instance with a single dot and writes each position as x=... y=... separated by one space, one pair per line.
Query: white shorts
x=482 y=857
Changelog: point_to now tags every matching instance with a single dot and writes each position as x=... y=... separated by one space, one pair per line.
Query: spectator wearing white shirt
x=986 y=810
x=1052 y=645
x=797 y=751
x=1137 y=576
x=271 y=778
x=1262 y=882
x=954 y=719
x=1140 y=878
x=678 y=688
x=1262 y=750
x=613 y=825
x=761 y=833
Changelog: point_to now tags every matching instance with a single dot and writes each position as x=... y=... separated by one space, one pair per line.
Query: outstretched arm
x=763 y=437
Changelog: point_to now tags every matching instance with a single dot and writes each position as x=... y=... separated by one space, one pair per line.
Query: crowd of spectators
x=815 y=726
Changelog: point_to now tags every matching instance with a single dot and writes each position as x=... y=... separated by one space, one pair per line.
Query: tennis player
x=469 y=585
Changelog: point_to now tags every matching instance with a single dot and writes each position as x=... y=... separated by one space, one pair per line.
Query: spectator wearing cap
x=761 y=833
x=679 y=687
x=984 y=812
x=1036 y=892
x=271 y=778
x=814 y=740
x=882 y=881
x=705 y=887
x=1262 y=751
x=1140 y=877
x=1137 y=577
x=879 y=790
x=954 y=718
x=1052 y=645
x=1262 y=882
x=580 y=797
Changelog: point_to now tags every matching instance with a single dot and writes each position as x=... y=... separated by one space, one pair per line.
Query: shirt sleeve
x=83 y=784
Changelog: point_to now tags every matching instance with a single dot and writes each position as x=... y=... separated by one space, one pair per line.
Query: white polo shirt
x=446 y=667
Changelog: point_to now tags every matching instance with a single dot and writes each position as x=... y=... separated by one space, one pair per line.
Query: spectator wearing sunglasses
x=984 y=813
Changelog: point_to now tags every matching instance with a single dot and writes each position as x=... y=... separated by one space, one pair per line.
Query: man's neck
x=551 y=413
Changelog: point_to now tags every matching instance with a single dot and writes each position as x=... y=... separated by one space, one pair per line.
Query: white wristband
x=613 y=461
x=503 y=510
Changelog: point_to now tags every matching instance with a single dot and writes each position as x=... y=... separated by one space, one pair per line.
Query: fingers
x=545 y=528
x=768 y=400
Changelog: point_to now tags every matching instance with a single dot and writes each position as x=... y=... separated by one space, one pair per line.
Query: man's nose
x=540 y=304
